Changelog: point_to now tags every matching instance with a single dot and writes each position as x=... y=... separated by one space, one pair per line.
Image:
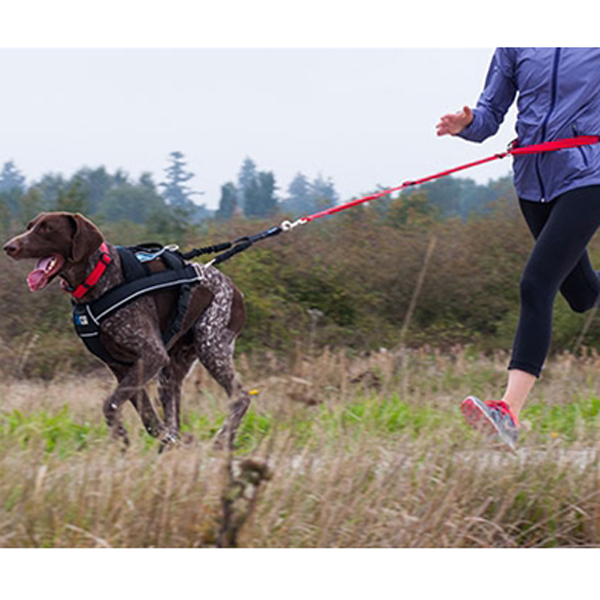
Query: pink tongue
x=38 y=279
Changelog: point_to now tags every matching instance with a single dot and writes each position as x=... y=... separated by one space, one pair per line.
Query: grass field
x=336 y=451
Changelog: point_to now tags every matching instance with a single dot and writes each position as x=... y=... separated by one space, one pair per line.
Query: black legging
x=559 y=260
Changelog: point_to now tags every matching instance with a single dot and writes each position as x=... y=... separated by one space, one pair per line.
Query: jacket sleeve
x=498 y=94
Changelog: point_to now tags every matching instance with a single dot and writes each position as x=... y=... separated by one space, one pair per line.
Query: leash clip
x=289 y=225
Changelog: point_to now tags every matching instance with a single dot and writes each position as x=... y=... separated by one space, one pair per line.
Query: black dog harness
x=139 y=281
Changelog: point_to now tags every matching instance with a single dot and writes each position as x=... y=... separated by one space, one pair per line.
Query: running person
x=559 y=195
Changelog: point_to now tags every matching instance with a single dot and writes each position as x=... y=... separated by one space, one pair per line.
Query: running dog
x=71 y=248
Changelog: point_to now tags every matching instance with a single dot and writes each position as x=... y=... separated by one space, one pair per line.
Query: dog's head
x=59 y=241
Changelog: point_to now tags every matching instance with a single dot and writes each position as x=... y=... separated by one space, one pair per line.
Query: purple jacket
x=558 y=97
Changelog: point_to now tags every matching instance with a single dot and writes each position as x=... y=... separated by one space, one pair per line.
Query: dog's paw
x=172 y=439
x=187 y=439
x=219 y=442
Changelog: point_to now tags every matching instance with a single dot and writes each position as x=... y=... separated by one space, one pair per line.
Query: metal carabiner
x=289 y=225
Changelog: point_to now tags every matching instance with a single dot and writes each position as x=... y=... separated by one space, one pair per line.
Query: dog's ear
x=86 y=240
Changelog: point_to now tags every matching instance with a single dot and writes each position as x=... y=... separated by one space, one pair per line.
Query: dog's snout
x=11 y=248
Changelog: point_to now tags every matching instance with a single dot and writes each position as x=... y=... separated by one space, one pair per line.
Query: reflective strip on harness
x=87 y=317
x=128 y=292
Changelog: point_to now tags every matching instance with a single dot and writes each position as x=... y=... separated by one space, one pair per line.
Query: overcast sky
x=364 y=117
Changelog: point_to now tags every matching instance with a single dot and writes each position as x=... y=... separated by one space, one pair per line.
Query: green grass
x=365 y=452
x=574 y=420
x=58 y=432
x=62 y=432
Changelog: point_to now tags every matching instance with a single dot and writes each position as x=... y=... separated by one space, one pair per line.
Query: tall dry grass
x=361 y=452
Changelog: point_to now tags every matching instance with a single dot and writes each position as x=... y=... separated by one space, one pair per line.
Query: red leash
x=243 y=243
x=583 y=140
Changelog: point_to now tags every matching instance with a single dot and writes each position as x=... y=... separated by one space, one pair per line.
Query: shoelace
x=504 y=409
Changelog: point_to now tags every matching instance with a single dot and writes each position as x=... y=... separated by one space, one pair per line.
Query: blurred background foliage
x=358 y=270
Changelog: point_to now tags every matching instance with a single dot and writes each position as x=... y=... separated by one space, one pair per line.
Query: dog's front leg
x=153 y=359
x=142 y=404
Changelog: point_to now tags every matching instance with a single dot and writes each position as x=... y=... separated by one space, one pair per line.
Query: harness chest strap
x=87 y=316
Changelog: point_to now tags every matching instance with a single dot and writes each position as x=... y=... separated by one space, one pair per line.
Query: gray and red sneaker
x=493 y=418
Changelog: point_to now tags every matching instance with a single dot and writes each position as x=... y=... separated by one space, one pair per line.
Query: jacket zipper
x=553 y=88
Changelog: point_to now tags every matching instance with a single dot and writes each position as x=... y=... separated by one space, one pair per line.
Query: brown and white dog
x=70 y=247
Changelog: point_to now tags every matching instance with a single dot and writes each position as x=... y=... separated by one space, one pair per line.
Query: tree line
x=169 y=207
x=358 y=269
x=117 y=197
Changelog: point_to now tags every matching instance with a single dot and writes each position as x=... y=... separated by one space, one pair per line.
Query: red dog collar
x=95 y=275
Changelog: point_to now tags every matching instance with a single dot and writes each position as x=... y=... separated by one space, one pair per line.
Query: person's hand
x=455 y=123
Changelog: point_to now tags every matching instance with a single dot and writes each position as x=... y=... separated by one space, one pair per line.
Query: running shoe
x=493 y=418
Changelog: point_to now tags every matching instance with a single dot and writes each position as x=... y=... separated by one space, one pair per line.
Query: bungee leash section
x=243 y=243
x=233 y=248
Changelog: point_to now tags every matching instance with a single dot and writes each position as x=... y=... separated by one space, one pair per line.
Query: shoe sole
x=474 y=413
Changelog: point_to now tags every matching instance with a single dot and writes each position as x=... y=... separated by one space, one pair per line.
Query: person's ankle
x=514 y=407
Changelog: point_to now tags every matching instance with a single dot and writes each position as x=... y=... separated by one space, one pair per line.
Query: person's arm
x=498 y=94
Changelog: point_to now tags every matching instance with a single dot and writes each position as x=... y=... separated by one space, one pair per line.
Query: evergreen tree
x=260 y=200
x=166 y=228
x=4 y=217
x=256 y=191
x=11 y=178
x=457 y=197
x=323 y=193
x=246 y=183
x=175 y=191
x=30 y=205
x=252 y=199
x=96 y=183
x=12 y=186
x=147 y=182
x=299 y=201
x=268 y=200
x=135 y=203
x=306 y=197
x=120 y=177
x=50 y=186
x=73 y=198
x=227 y=203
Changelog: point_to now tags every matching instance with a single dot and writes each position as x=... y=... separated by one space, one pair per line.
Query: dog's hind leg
x=214 y=338
x=170 y=380
x=216 y=355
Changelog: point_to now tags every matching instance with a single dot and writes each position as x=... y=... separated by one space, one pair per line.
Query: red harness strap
x=95 y=275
